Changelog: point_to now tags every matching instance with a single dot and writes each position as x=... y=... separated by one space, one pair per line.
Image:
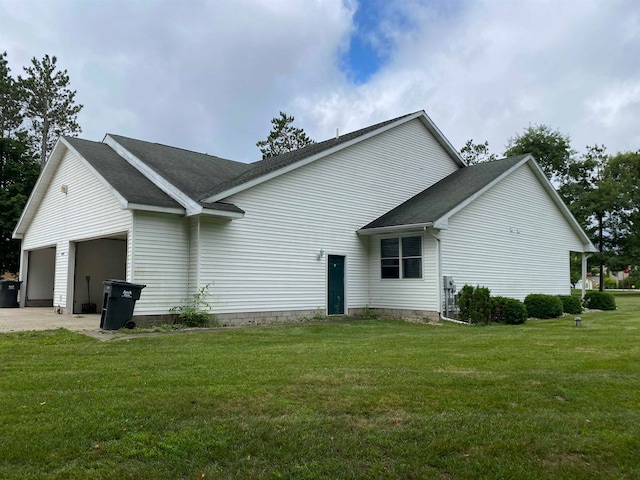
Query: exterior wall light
x=64 y=189
x=320 y=254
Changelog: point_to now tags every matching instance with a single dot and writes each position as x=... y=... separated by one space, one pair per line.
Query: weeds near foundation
x=194 y=311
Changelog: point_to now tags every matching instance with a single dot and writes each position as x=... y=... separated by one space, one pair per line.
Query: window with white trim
x=401 y=257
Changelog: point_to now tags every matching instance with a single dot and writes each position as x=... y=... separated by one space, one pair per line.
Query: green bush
x=543 y=306
x=474 y=304
x=508 y=310
x=481 y=305
x=570 y=304
x=610 y=282
x=599 y=300
x=464 y=303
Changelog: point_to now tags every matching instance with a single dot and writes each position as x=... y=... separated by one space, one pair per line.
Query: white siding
x=513 y=239
x=267 y=260
x=88 y=210
x=408 y=294
x=161 y=246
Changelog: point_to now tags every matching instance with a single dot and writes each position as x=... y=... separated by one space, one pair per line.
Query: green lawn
x=370 y=399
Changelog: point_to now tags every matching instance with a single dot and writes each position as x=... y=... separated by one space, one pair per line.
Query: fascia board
x=555 y=196
x=221 y=213
x=442 y=140
x=393 y=228
x=153 y=208
x=301 y=163
x=123 y=201
x=192 y=207
x=40 y=188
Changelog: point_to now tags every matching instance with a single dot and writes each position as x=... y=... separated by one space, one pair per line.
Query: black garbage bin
x=9 y=293
x=118 y=303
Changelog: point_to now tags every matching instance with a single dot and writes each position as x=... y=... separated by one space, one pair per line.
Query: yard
x=369 y=399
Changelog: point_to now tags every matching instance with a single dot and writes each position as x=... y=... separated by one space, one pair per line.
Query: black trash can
x=118 y=303
x=9 y=293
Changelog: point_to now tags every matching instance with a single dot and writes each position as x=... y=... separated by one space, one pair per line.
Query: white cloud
x=209 y=75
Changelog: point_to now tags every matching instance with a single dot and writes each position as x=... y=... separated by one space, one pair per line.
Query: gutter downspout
x=439 y=282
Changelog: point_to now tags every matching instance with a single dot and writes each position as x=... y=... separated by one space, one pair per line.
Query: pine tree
x=49 y=104
x=10 y=96
x=283 y=138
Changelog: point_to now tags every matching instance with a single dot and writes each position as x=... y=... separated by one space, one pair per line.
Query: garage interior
x=95 y=262
x=41 y=277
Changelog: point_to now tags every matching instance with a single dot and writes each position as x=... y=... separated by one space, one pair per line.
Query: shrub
x=599 y=300
x=481 y=305
x=474 y=304
x=464 y=303
x=570 y=304
x=543 y=306
x=508 y=310
x=610 y=282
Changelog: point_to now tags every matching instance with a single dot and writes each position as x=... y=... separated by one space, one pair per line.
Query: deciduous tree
x=18 y=174
x=473 y=153
x=551 y=149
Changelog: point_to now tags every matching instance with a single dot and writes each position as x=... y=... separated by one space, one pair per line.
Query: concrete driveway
x=30 y=318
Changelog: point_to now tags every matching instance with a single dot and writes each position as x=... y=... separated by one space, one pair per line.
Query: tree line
x=36 y=108
x=600 y=189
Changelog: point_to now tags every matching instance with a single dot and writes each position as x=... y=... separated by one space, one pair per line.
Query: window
x=401 y=257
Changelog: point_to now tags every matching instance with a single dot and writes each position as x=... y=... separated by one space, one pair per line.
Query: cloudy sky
x=210 y=75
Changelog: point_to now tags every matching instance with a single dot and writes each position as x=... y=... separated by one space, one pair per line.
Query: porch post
x=584 y=274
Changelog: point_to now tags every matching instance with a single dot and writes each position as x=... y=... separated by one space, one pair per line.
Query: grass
x=369 y=399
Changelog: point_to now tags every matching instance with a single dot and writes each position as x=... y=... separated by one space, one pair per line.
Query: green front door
x=336 y=285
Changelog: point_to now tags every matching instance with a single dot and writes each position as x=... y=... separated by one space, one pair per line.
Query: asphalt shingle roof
x=436 y=201
x=123 y=177
x=193 y=173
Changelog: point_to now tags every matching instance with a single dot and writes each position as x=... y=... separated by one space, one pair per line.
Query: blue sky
x=209 y=75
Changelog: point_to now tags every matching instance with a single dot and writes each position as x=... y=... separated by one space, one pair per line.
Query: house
x=374 y=218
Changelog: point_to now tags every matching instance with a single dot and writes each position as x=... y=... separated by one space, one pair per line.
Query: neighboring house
x=374 y=218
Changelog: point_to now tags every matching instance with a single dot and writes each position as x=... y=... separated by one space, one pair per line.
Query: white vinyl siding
x=87 y=211
x=513 y=239
x=405 y=293
x=268 y=260
x=161 y=261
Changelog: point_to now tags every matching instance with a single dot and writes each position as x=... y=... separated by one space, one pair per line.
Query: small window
x=390 y=256
x=398 y=255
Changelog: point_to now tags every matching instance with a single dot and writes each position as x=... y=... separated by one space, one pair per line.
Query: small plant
x=508 y=310
x=368 y=313
x=543 y=306
x=194 y=311
x=599 y=300
x=570 y=304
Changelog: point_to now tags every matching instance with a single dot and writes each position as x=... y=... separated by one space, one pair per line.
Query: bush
x=464 y=303
x=543 y=306
x=508 y=310
x=570 y=304
x=474 y=304
x=610 y=282
x=599 y=300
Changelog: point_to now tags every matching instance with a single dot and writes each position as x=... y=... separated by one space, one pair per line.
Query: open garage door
x=99 y=260
x=41 y=275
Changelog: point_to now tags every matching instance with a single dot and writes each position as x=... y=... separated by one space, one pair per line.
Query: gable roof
x=268 y=168
x=432 y=207
x=123 y=177
x=193 y=173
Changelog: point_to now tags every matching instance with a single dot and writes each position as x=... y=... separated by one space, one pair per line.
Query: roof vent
x=337 y=133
